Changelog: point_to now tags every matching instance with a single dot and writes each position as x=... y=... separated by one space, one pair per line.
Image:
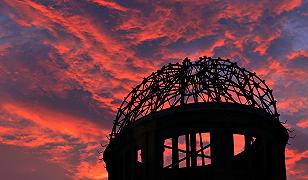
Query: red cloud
x=110 y=54
x=297 y=54
x=293 y=104
x=110 y=4
x=292 y=158
x=287 y=5
x=302 y=123
x=86 y=170
x=49 y=128
x=102 y=60
x=57 y=121
x=265 y=41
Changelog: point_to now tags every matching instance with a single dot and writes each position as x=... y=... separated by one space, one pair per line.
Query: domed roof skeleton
x=205 y=80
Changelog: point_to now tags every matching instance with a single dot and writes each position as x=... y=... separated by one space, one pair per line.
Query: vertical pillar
x=222 y=149
x=175 y=152
x=187 y=150
x=150 y=156
x=154 y=156
x=248 y=150
x=193 y=149
x=201 y=147
x=248 y=140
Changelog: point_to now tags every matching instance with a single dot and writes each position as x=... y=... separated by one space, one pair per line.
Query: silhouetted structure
x=208 y=119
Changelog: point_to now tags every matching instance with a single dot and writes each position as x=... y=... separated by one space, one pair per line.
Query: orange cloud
x=244 y=10
x=297 y=54
x=96 y=170
x=30 y=137
x=302 y=123
x=57 y=121
x=102 y=60
x=292 y=104
x=48 y=130
x=104 y=50
x=292 y=157
x=163 y=22
x=110 y=4
x=264 y=42
x=287 y=5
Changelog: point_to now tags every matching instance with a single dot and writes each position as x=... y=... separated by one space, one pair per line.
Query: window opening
x=187 y=150
x=203 y=149
x=139 y=156
x=167 y=153
x=239 y=143
x=182 y=151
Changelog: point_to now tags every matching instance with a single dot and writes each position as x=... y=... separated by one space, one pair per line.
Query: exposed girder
x=205 y=80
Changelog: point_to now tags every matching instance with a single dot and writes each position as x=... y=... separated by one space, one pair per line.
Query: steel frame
x=205 y=80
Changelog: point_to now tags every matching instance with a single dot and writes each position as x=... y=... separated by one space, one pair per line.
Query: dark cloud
x=22 y=163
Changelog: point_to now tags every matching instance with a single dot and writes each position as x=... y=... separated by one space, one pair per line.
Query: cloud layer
x=66 y=65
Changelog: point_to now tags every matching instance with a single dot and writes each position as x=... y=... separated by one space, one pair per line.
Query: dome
x=205 y=80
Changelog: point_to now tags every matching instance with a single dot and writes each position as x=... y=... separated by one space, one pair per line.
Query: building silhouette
x=209 y=119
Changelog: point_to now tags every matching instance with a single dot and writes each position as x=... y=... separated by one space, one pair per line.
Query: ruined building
x=209 y=119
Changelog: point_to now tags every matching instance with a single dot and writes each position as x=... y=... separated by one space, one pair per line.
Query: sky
x=66 y=65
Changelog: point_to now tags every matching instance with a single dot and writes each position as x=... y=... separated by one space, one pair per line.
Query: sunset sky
x=66 y=65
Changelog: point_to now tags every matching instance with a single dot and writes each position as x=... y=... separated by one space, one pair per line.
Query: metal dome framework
x=205 y=80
